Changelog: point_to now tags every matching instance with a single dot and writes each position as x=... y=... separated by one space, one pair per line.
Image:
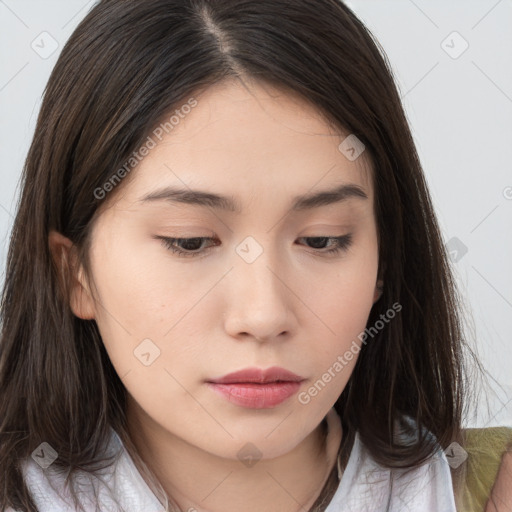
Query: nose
x=260 y=304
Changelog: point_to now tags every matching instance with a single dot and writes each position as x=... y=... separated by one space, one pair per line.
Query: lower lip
x=256 y=396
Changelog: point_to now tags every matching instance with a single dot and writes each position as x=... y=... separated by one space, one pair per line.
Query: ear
x=379 y=286
x=71 y=276
x=378 y=290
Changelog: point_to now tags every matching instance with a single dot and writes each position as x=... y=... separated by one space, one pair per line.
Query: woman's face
x=260 y=290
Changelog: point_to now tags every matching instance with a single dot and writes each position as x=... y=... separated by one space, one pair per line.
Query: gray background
x=459 y=104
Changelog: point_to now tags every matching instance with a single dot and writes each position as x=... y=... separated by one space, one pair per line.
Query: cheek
x=143 y=297
x=341 y=293
x=127 y=300
x=342 y=304
x=343 y=312
x=138 y=288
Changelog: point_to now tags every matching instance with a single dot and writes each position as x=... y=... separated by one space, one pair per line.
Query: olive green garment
x=485 y=448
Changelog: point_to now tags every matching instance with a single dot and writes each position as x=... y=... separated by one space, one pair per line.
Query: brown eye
x=190 y=247
x=341 y=243
x=185 y=246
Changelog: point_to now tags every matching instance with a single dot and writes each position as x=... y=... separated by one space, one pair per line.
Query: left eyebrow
x=229 y=203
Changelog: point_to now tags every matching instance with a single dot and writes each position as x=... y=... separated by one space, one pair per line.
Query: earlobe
x=71 y=276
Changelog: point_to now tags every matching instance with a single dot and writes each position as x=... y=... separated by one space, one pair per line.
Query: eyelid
x=343 y=243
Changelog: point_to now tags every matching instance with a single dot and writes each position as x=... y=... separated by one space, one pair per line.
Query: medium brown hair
x=128 y=64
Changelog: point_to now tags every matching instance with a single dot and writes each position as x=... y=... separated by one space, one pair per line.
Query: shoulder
x=428 y=486
x=116 y=487
x=367 y=486
x=50 y=492
x=46 y=487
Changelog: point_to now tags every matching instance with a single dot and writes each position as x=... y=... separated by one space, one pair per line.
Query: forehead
x=255 y=142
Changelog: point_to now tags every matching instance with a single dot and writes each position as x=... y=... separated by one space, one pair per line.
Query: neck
x=199 y=481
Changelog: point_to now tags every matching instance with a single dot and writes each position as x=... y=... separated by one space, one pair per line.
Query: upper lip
x=273 y=374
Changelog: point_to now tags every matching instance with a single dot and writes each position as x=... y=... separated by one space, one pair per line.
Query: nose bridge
x=260 y=303
x=261 y=278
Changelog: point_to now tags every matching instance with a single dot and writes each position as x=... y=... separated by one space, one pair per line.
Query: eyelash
x=343 y=243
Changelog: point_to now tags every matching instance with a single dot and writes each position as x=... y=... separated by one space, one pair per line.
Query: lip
x=257 y=389
x=257 y=375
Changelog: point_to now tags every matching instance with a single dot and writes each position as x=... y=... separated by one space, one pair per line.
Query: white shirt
x=364 y=486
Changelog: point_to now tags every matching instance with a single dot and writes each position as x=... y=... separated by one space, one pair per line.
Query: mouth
x=255 y=388
x=258 y=376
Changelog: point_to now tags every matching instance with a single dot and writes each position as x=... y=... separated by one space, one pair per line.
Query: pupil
x=320 y=241
x=191 y=242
